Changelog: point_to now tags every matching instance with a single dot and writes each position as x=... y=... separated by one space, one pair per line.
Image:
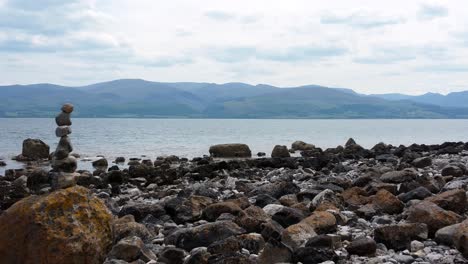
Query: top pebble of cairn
x=63 y=119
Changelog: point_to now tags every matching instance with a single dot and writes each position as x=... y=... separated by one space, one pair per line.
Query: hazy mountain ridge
x=140 y=98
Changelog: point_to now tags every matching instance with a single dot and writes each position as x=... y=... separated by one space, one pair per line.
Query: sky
x=371 y=46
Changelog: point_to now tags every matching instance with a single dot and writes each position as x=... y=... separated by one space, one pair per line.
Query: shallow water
x=192 y=137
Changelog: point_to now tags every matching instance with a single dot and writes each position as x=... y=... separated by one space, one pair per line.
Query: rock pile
x=63 y=164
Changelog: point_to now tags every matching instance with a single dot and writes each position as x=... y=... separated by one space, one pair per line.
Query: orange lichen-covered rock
x=66 y=226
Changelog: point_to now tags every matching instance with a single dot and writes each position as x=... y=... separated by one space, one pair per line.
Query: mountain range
x=140 y=98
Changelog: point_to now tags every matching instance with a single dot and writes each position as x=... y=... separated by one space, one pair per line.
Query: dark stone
x=262 y=200
x=102 y=162
x=288 y=216
x=362 y=247
x=400 y=236
x=276 y=189
x=140 y=211
x=120 y=160
x=63 y=119
x=35 y=149
x=452 y=170
x=327 y=241
x=399 y=176
x=69 y=164
x=64 y=148
x=203 y=235
x=62 y=131
x=172 y=255
x=418 y=193
x=230 y=151
x=422 y=162
x=312 y=255
x=280 y=152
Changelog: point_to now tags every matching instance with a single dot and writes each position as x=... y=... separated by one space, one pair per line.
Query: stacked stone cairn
x=63 y=164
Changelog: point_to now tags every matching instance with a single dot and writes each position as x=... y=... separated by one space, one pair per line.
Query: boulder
x=385 y=202
x=446 y=235
x=453 y=200
x=460 y=238
x=141 y=210
x=422 y=162
x=432 y=215
x=100 y=163
x=275 y=252
x=127 y=227
x=297 y=235
x=230 y=151
x=213 y=211
x=400 y=236
x=66 y=226
x=131 y=249
x=35 y=149
x=363 y=246
x=301 y=145
x=452 y=170
x=405 y=175
x=280 y=152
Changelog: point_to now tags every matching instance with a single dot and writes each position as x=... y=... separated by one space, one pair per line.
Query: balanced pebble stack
x=63 y=164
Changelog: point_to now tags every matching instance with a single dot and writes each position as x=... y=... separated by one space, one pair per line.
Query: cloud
x=360 y=19
x=219 y=15
x=429 y=12
x=38 y=5
x=443 y=68
x=396 y=54
x=291 y=54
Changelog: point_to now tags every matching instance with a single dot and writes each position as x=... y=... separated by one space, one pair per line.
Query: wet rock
x=203 y=235
x=362 y=246
x=120 y=160
x=400 y=236
x=261 y=154
x=35 y=149
x=432 y=215
x=66 y=226
x=326 y=197
x=230 y=151
x=100 y=163
x=280 y=152
x=2 y=163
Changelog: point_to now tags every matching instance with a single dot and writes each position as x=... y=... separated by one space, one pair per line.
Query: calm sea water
x=192 y=137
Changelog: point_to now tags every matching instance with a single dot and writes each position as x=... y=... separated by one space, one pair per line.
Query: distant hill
x=456 y=99
x=140 y=98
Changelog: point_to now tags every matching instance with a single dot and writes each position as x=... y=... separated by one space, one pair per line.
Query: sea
x=150 y=138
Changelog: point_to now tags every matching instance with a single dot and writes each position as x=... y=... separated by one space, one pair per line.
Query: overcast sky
x=371 y=46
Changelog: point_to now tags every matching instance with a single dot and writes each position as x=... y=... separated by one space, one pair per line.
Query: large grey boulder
x=235 y=150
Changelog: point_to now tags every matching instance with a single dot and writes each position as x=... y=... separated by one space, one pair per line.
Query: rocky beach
x=301 y=204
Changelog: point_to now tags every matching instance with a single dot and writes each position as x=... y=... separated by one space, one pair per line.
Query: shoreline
x=346 y=204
